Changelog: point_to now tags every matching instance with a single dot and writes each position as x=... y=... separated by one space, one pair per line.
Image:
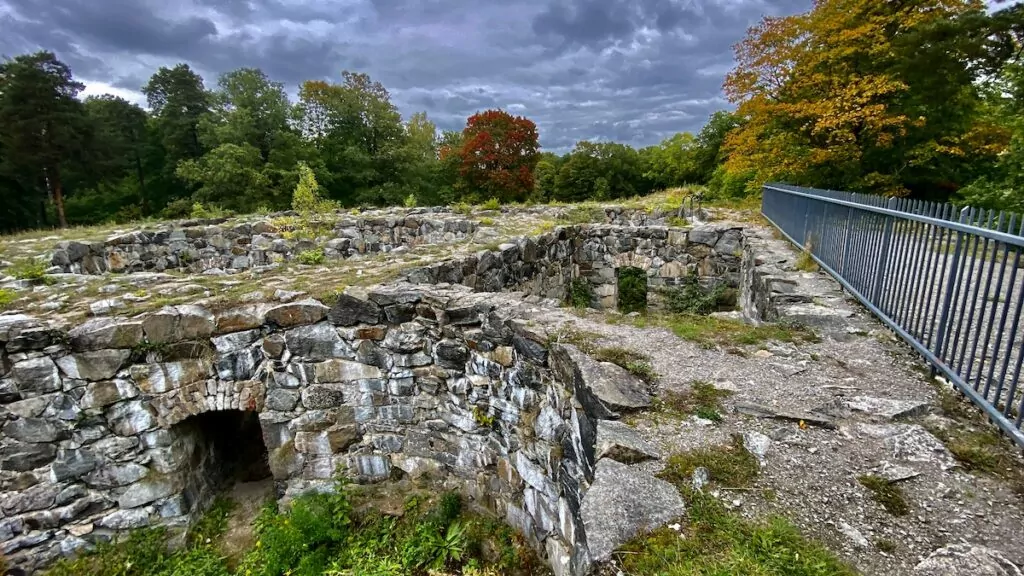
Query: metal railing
x=949 y=280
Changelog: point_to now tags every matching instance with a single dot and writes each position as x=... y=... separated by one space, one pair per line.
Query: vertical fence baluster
x=993 y=260
x=949 y=295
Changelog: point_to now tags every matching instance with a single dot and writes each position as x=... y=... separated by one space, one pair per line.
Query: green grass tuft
x=634 y=362
x=729 y=465
x=889 y=495
x=717 y=542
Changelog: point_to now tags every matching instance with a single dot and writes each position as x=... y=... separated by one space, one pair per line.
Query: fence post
x=940 y=340
x=883 y=255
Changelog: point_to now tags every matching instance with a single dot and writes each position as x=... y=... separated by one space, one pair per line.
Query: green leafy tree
x=358 y=134
x=178 y=101
x=600 y=171
x=229 y=176
x=120 y=129
x=43 y=124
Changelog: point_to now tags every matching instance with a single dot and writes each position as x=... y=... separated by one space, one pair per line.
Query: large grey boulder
x=307 y=311
x=622 y=503
x=602 y=387
x=36 y=376
x=177 y=323
x=349 y=311
x=317 y=342
x=619 y=442
x=93 y=366
x=99 y=333
x=966 y=559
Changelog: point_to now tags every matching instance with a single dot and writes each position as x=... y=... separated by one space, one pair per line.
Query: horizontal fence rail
x=949 y=280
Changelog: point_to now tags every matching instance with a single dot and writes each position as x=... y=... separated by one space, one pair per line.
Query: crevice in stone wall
x=631 y=284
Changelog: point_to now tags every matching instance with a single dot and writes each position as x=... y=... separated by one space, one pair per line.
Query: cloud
x=634 y=71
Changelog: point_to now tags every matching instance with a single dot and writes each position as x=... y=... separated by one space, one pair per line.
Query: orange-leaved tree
x=496 y=156
x=862 y=95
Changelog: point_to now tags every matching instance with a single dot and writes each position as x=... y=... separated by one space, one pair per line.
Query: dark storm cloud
x=634 y=71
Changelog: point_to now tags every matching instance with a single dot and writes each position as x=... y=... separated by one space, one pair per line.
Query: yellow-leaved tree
x=861 y=95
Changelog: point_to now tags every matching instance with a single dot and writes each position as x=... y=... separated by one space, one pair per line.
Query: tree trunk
x=58 y=195
x=142 y=184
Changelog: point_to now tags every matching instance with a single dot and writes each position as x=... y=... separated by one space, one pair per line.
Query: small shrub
x=492 y=204
x=29 y=269
x=7 y=297
x=482 y=418
x=691 y=298
x=311 y=257
x=410 y=201
x=719 y=542
x=677 y=221
x=462 y=208
x=487 y=221
x=580 y=293
x=889 y=495
x=632 y=290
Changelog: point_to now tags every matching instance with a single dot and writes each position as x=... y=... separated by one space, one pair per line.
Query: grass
x=889 y=495
x=7 y=297
x=702 y=400
x=975 y=443
x=715 y=541
x=30 y=269
x=729 y=465
x=805 y=262
x=710 y=332
x=583 y=214
x=634 y=362
x=323 y=534
x=718 y=542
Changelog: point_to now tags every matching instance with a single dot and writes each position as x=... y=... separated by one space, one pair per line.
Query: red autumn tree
x=497 y=156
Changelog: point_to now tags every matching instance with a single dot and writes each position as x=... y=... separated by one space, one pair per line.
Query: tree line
x=915 y=97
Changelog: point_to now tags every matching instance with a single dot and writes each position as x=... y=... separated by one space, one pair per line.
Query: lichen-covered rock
x=619 y=442
x=35 y=376
x=966 y=559
x=93 y=366
x=336 y=371
x=603 y=388
x=297 y=313
x=622 y=503
x=177 y=323
x=349 y=310
x=99 y=333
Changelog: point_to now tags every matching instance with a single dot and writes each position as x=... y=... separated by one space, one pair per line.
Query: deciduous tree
x=497 y=156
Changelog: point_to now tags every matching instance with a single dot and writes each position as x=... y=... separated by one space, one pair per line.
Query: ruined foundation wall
x=434 y=384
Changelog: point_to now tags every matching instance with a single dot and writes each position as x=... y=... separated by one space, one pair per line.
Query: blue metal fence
x=949 y=280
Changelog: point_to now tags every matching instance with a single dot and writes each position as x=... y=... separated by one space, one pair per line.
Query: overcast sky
x=633 y=71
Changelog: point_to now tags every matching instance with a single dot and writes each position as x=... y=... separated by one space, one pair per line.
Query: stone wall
x=545 y=265
x=215 y=247
x=440 y=385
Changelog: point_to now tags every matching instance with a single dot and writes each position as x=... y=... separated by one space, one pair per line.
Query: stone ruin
x=447 y=376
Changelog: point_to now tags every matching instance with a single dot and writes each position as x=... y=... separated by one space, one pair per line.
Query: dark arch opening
x=227 y=448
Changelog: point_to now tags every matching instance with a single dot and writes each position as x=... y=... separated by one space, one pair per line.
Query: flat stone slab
x=887 y=408
x=619 y=442
x=622 y=503
x=602 y=387
x=911 y=443
x=966 y=559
